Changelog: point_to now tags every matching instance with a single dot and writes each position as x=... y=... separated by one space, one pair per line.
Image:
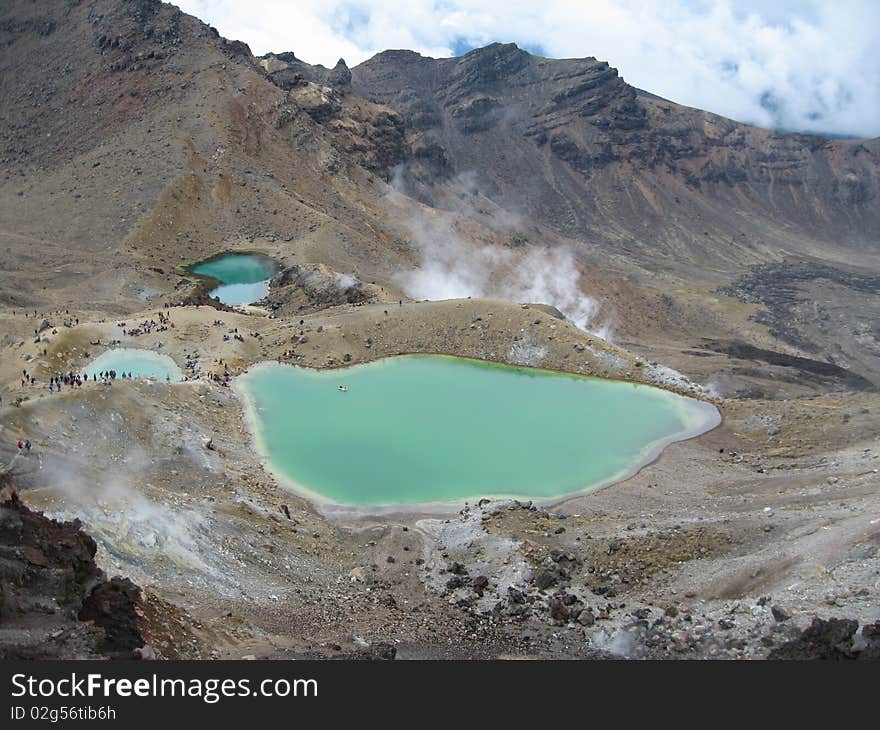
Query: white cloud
x=807 y=65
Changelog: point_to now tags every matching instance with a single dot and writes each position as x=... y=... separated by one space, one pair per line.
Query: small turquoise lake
x=242 y=278
x=435 y=429
x=140 y=363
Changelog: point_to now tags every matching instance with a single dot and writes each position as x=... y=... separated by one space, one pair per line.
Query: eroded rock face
x=835 y=638
x=372 y=135
x=55 y=602
x=298 y=289
x=112 y=606
x=321 y=103
x=613 y=153
x=503 y=84
x=139 y=35
x=287 y=71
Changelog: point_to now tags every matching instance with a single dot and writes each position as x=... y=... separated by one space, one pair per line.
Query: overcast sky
x=811 y=65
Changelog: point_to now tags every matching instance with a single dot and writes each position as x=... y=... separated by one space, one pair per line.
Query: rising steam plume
x=453 y=268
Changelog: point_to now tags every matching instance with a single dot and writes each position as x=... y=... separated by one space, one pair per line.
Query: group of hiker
x=160 y=322
x=289 y=355
x=58 y=380
x=233 y=334
x=220 y=378
x=148 y=326
x=108 y=375
x=194 y=365
x=73 y=379
x=27 y=314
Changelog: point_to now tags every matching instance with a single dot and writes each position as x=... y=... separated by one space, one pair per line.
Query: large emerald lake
x=427 y=429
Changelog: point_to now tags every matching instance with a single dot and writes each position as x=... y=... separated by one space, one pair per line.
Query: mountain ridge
x=591 y=120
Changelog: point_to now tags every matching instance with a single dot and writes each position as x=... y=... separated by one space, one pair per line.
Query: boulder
x=779 y=613
x=822 y=639
x=480 y=583
x=558 y=610
x=545 y=579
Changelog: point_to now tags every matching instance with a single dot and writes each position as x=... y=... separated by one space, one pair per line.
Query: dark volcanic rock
x=382 y=650
x=586 y=617
x=871 y=638
x=287 y=71
x=314 y=286
x=831 y=639
x=820 y=309
x=112 y=606
x=545 y=579
x=480 y=583
x=515 y=596
x=558 y=610
x=779 y=613
x=805 y=367
x=54 y=600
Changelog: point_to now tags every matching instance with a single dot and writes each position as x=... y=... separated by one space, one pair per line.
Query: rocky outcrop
x=287 y=71
x=112 y=605
x=139 y=35
x=299 y=289
x=478 y=114
x=484 y=69
x=11 y=29
x=55 y=602
x=835 y=639
x=321 y=103
x=371 y=135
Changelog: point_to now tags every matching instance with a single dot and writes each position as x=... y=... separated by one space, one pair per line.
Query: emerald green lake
x=243 y=277
x=419 y=429
x=140 y=363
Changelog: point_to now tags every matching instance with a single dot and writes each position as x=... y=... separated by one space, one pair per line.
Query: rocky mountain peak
x=397 y=56
x=287 y=71
x=496 y=61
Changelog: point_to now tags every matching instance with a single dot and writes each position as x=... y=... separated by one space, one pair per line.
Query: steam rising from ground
x=619 y=643
x=453 y=268
x=320 y=278
x=128 y=525
x=136 y=483
x=452 y=271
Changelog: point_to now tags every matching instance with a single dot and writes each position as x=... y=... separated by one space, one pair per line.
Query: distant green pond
x=243 y=277
x=140 y=363
x=419 y=429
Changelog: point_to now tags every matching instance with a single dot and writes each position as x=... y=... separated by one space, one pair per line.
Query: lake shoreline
x=694 y=426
